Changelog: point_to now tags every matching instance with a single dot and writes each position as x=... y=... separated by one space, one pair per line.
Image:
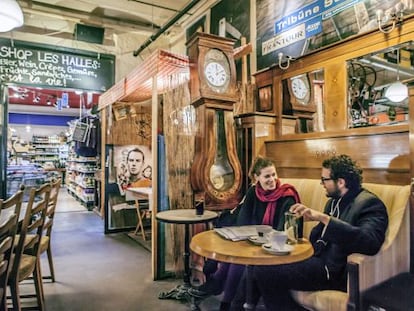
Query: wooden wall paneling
x=264 y=79
x=277 y=98
x=384 y=158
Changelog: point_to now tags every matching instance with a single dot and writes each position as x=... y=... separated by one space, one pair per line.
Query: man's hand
x=309 y=214
x=197 y=277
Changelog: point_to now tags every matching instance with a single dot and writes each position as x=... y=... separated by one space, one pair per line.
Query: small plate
x=285 y=251
x=257 y=240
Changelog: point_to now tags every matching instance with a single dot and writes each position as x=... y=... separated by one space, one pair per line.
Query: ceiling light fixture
x=11 y=15
x=397 y=91
x=36 y=100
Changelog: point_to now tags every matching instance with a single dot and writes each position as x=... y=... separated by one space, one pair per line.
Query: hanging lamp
x=397 y=91
x=11 y=15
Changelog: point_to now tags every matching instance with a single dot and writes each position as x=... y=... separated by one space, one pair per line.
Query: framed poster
x=133 y=164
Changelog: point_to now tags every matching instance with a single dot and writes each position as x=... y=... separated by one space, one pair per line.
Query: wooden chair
x=45 y=242
x=25 y=265
x=10 y=211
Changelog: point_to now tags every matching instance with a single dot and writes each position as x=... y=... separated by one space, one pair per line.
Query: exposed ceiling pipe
x=165 y=27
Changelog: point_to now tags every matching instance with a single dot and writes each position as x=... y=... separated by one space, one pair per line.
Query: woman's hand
x=308 y=213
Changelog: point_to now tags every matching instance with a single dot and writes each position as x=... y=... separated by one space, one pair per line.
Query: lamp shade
x=11 y=15
x=396 y=92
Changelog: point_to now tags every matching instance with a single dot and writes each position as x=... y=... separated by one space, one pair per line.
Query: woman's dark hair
x=343 y=166
x=258 y=164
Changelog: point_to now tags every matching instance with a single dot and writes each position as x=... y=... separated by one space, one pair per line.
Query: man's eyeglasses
x=323 y=179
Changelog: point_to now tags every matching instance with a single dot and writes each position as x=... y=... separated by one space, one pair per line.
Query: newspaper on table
x=238 y=233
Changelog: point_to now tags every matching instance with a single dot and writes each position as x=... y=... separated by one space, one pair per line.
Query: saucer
x=257 y=240
x=285 y=251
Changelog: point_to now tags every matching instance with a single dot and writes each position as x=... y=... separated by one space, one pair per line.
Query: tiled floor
x=102 y=272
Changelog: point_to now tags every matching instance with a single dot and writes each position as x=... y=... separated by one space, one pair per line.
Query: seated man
x=354 y=221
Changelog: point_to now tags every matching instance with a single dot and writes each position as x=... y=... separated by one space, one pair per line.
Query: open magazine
x=238 y=233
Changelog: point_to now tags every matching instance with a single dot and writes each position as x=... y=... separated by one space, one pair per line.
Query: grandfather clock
x=216 y=172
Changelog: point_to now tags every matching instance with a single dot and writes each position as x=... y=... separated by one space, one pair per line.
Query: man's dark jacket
x=360 y=228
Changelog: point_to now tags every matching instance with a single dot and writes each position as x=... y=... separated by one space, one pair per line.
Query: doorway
x=36 y=137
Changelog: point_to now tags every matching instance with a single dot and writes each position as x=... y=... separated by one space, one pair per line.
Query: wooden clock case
x=307 y=104
x=214 y=115
x=198 y=46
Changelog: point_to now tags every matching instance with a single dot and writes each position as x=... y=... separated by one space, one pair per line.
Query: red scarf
x=271 y=197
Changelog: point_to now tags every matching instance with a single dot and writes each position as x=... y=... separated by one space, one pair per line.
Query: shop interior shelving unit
x=46 y=149
x=80 y=178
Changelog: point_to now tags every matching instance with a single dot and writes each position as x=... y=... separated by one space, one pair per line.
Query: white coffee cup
x=277 y=239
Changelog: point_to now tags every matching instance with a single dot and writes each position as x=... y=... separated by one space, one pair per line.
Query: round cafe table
x=211 y=245
x=186 y=217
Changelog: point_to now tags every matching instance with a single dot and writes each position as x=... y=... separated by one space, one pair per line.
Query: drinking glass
x=293 y=227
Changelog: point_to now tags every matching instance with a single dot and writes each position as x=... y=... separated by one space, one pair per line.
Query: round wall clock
x=217 y=70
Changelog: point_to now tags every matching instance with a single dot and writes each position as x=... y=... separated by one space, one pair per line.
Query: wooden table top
x=185 y=216
x=211 y=245
x=139 y=193
x=140 y=190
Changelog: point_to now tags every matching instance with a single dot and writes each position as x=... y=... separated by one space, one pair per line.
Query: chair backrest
x=33 y=223
x=50 y=212
x=9 y=216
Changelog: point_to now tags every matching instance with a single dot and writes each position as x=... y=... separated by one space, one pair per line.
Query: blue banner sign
x=304 y=23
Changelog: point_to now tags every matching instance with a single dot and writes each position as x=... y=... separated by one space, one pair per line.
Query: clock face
x=216 y=74
x=217 y=70
x=299 y=88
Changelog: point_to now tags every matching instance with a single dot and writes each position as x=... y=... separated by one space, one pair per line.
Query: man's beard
x=335 y=194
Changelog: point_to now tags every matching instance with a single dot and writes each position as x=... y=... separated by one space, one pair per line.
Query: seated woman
x=266 y=202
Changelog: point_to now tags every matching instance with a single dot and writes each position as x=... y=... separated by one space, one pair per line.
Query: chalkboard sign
x=80 y=132
x=51 y=66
